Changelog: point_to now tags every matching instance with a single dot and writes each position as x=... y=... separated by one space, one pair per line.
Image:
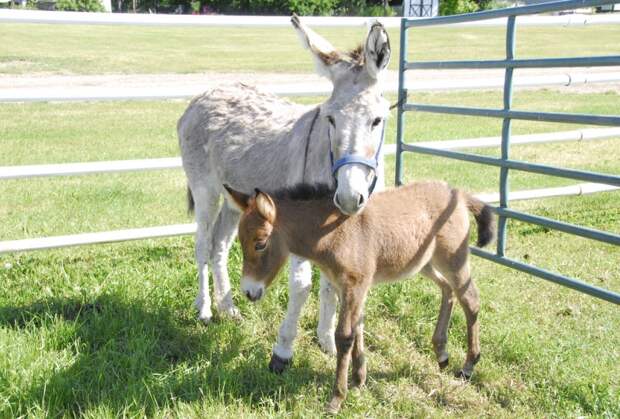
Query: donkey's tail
x=190 y=201
x=485 y=219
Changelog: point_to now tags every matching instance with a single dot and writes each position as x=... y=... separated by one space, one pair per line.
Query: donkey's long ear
x=326 y=57
x=241 y=200
x=377 y=50
x=265 y=206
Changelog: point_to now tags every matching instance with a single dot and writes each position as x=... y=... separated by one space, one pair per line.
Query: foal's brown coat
x=422 y=227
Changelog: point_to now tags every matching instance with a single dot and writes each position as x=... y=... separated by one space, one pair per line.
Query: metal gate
x=508 y=114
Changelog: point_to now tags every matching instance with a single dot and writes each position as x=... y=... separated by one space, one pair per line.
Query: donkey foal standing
x=422 y=227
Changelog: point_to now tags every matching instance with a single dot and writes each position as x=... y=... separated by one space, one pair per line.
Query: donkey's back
x=237 y=114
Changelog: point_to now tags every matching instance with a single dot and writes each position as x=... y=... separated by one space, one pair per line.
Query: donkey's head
x=264 y=251
x=355 y=112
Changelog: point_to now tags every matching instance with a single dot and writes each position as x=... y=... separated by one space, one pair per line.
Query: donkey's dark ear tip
x=257 y=191
x=226 y=187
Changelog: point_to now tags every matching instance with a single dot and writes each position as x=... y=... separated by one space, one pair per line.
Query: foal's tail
x=190 y=201
x=484 y=218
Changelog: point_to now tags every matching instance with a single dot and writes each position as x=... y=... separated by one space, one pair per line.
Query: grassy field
x=75 y=49
x=109 y=331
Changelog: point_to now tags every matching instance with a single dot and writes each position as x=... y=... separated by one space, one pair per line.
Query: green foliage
x=79 y=5
x=301 y=7
x=455 y=7
x=312 y=7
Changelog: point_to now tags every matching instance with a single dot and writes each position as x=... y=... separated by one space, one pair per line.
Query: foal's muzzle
x=252 y=289
x=254 y=297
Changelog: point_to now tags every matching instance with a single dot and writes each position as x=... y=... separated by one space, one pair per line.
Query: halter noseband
x=353 y=159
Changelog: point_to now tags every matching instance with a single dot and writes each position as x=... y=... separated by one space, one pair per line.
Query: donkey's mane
x=305 y=192
x=357 y=55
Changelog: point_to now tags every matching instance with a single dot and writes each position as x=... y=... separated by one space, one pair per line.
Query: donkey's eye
x=260 y=246
x=376 y=122
x=331 y=120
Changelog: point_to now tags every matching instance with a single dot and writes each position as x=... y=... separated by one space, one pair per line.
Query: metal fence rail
x=507 y=114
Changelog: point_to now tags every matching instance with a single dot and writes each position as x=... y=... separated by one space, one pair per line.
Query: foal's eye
x=260 y=246
x=331 y=120
x=376 y=122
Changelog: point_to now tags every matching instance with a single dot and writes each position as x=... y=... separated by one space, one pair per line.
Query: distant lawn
x=75 y=49
x=109 y=331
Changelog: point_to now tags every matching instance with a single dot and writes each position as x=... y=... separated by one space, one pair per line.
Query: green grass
x=108 y=331
x=75 y=49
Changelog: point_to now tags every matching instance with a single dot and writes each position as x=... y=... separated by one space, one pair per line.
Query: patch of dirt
x=202 y=81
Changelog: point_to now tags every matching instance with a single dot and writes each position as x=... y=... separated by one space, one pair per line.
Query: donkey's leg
x=205 y=208
x=352 y=301
x=223 y=236
x=328 y=299
x=440 y=336
x=299 y=284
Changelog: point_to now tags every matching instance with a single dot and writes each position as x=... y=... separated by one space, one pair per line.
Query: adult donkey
x=246 y=139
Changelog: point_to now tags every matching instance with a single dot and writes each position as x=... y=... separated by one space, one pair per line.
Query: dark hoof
x=463 y=375
x=444 y=364
x=278 y=365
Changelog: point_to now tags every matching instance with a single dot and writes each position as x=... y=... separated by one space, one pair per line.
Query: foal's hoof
x=464 y=375
x=333 y=407
x=444 y=364
x=278 y=365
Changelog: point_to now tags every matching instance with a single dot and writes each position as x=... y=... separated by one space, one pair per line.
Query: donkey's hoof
x=444 y=364
x=328 y=345
x=278 y=365
x=231 y=312
x=205 y=316
x=464 y=375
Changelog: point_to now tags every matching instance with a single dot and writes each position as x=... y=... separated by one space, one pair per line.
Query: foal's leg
x=469 y=298
x=224 y=233
x=300 y=283
x=326 y=329
x=351 y=307
x=466 y=292
x=440 y=336
x=205 y=208
x=359 y=360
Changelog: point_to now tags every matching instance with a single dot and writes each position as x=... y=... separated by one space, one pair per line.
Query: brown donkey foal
x=422 y=227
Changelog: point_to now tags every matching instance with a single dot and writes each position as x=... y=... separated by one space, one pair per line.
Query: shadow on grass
x=130 y=357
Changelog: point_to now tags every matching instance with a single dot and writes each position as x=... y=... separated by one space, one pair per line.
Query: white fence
x=13 y=95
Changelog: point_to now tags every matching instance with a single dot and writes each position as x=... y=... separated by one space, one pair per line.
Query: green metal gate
x=507 y=114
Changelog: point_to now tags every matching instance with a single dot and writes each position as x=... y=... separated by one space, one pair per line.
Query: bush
x=79 y=5
x=455 y=7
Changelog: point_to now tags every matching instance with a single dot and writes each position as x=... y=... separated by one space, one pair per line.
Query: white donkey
x=247 y=139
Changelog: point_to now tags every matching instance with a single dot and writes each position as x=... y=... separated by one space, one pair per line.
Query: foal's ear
x=241 y=200
x=326 y=58
x=377 y=50
x=265 y=206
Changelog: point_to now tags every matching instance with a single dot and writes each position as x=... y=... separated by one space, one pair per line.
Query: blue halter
x=353 y=159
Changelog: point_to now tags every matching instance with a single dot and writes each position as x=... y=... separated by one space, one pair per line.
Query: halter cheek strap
x=353 y=159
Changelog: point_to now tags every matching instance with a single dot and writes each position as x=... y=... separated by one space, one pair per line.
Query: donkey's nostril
x=247 y=294
x=360 y=200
